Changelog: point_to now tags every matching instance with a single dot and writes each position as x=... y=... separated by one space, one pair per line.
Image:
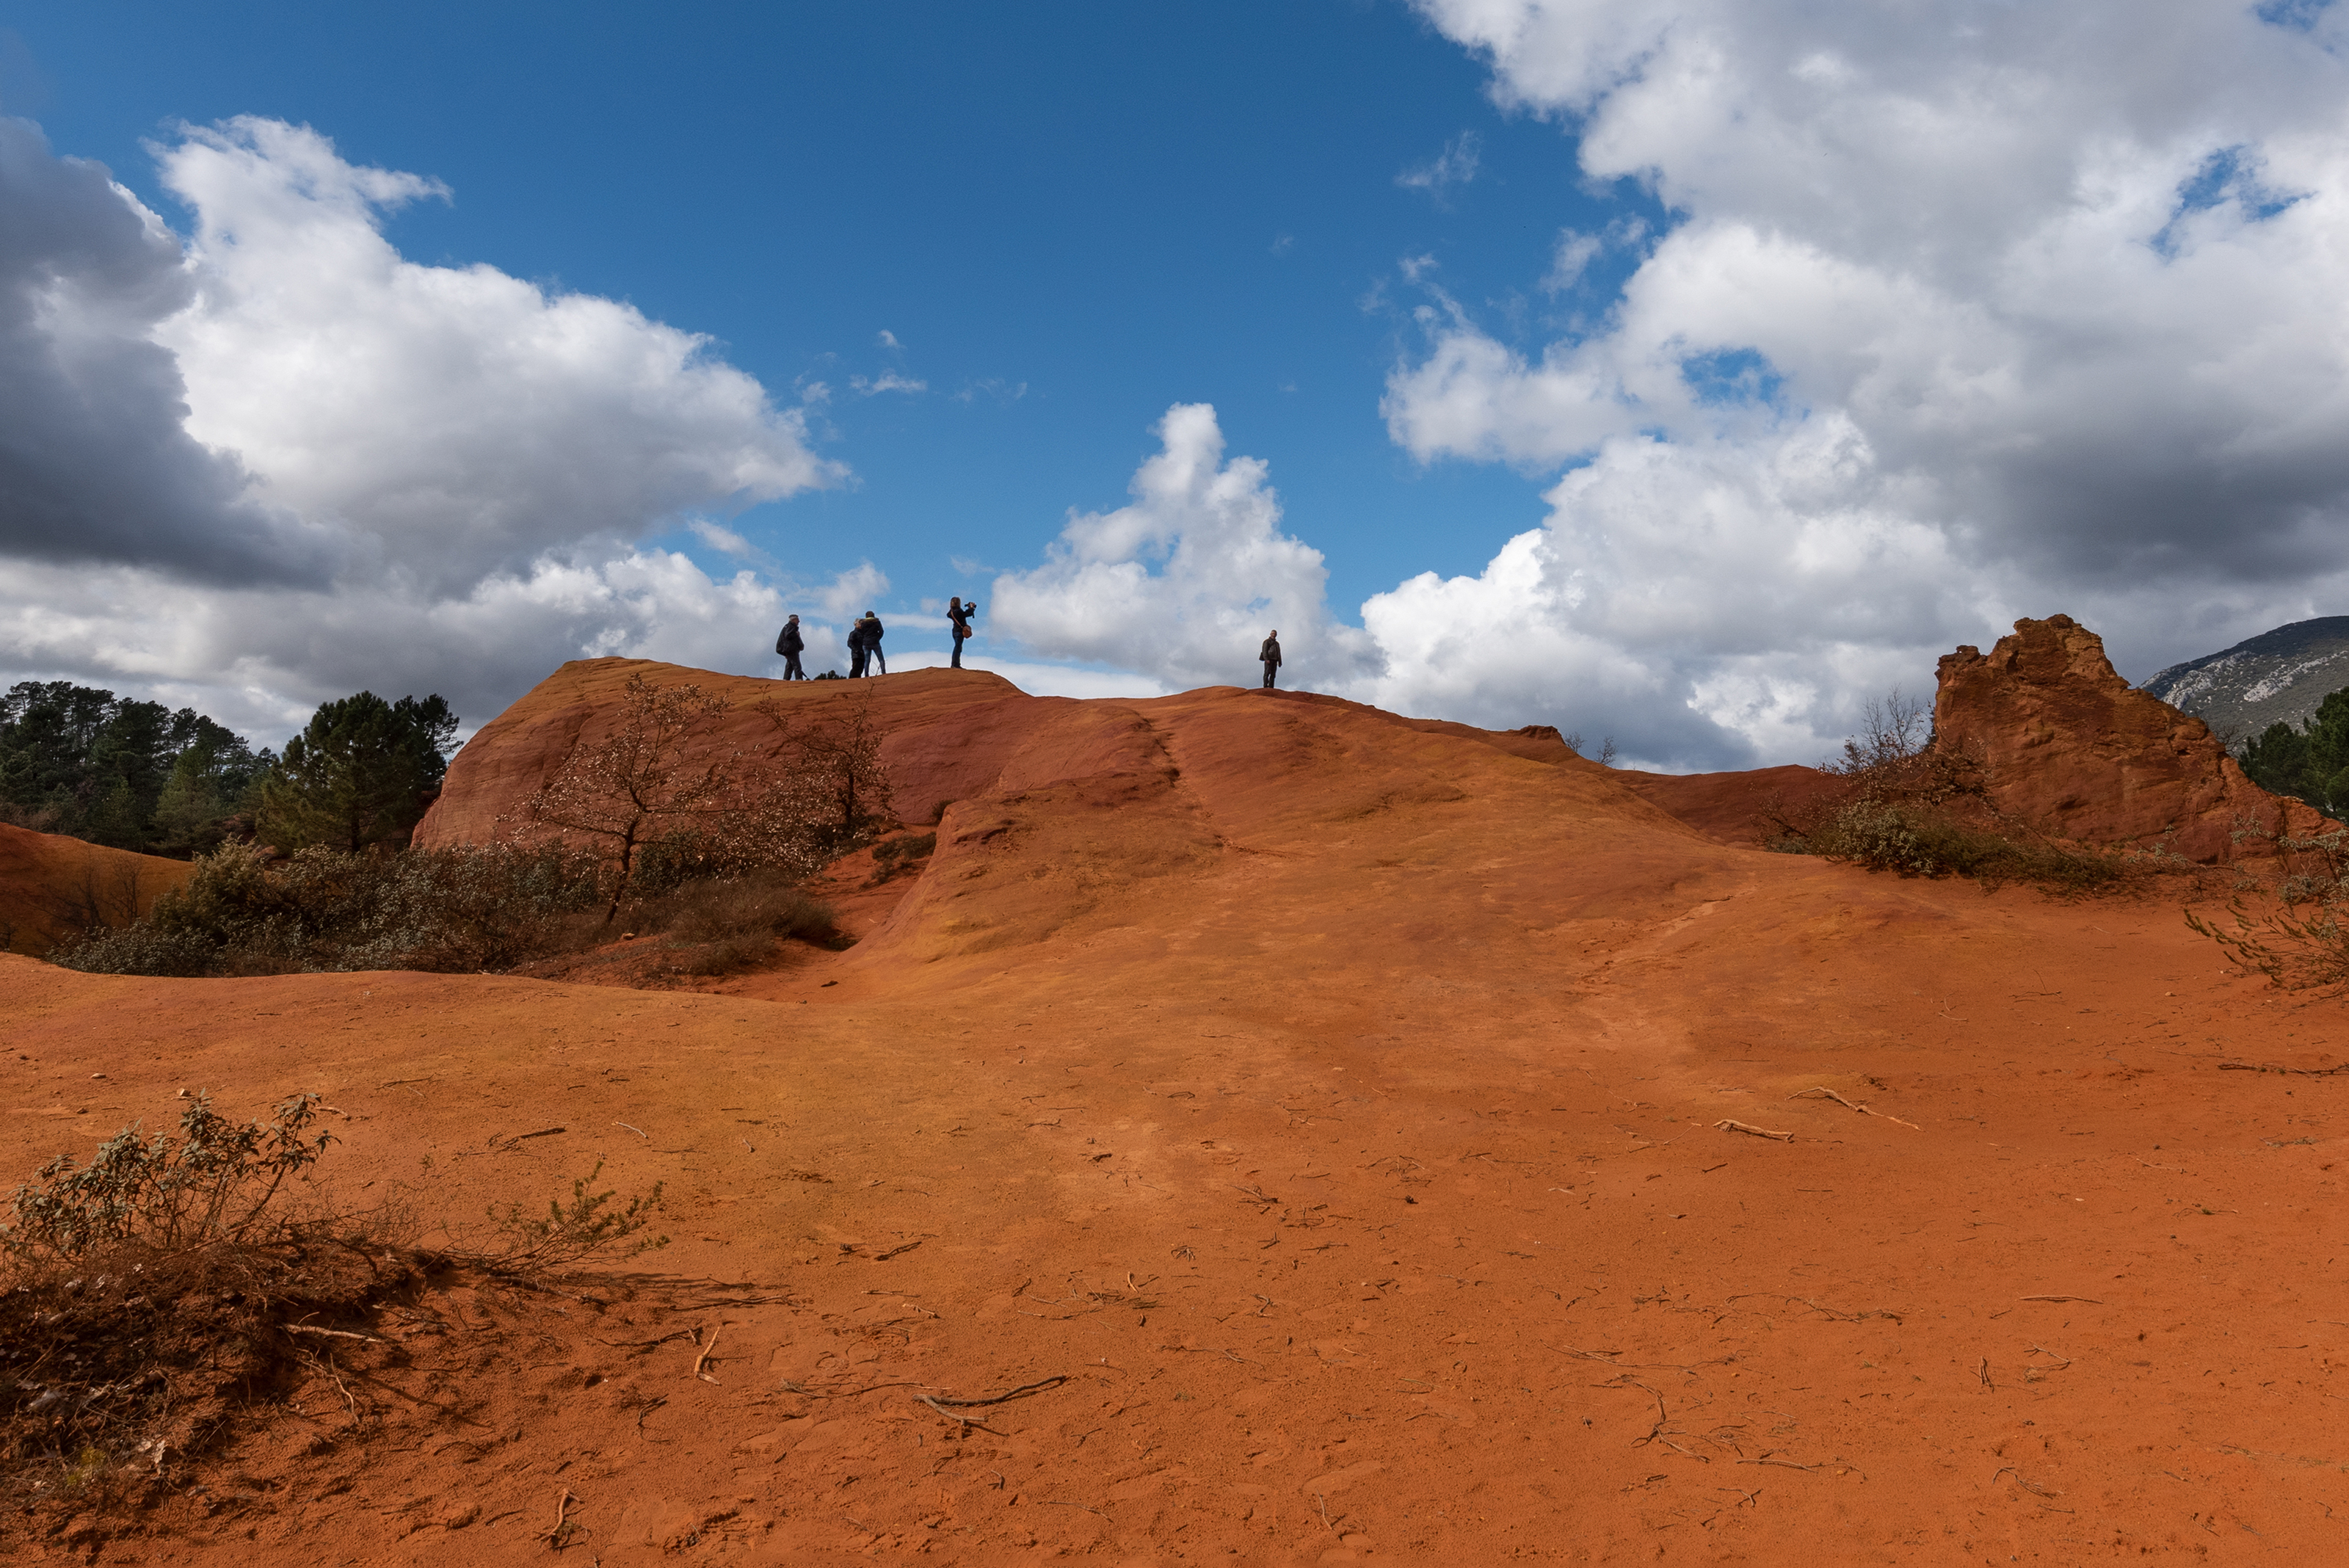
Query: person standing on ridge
x=791 y=645
x=1270 y=654
x=872 y=642
x=959 y=614
x=856 y=650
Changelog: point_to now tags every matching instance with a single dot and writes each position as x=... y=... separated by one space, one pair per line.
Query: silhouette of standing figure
x=872 y=642
x=959 y=614
x=791 y=645
x=857 y=654
x=1270 y=654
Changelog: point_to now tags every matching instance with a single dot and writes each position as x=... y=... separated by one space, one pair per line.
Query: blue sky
x=1113 y=207
x=1689 y=372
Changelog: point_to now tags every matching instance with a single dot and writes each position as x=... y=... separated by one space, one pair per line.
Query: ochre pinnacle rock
x=2074 y=750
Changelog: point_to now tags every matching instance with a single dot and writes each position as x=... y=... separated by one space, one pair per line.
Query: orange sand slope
x=1331 y=1101
x=51 y=885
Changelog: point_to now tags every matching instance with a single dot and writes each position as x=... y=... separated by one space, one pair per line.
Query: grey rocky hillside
x=2277 y=677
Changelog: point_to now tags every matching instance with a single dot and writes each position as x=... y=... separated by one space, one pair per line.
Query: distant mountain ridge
x=2277 y=677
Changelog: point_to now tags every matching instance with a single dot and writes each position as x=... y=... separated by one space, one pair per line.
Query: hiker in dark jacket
x=856 y=650
x=791 y=645
x=959 y=614
x=872 y=642
x=1270 y=654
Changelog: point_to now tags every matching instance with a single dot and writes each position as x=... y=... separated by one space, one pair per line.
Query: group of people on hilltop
x=864 y=645
x=864 y=655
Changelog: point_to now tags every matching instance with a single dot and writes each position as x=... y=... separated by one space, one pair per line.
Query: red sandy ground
x=1331 y=1102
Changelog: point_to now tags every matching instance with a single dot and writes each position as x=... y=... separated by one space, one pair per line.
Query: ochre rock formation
x=2074 y=750
x=947 y=735
x=52 y=886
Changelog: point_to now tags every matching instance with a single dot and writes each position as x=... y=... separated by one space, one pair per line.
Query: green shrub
x=163 y=1294
x=1919 y=841
x=214 y=1182
x=570 y=1233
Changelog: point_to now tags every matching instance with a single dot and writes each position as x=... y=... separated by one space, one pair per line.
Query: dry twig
x=1025 y=1389
x=1848 y=1104
x=555 y=1534
x=2027 y=1483
x=2295 y=1071
x=1725 y=1125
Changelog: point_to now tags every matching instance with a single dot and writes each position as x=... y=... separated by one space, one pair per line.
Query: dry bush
x=32 y=818
x=896 y=856
x=148 y=1289
x=839 y=760
x=166 y=1290
x=2296 y=931
x=724 y=926
x=659 y=805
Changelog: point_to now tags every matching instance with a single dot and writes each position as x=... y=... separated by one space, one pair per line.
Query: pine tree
x=361 y=772
x=189 y=812
x=2310 y=764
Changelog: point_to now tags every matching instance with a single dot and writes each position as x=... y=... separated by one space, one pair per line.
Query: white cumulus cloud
x=276 y=461
x=1963 y=310
x=1184 y=581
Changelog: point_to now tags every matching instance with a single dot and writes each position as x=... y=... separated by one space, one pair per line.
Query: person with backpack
x=791 y=643
x=856 y=650
x=959 y=614
x=1270 y=655
x=872 y=642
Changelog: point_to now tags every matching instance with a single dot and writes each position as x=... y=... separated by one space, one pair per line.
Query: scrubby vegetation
x=656 y=800
x=156 y=1293
x=448 y=910
x=654 y=826
x=896 y=857
x=454 y=909
x=2296 y=932
x=2309 y=764
x=726 y=926
x=1911 y=807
